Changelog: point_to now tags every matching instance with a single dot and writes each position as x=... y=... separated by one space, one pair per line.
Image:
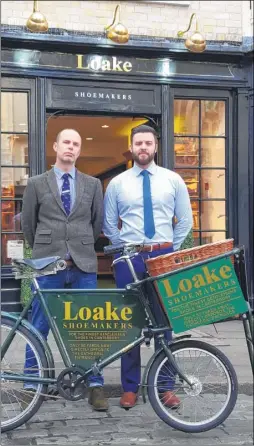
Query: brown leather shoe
x=97 y=398
x=169 y=399
x=128 y=400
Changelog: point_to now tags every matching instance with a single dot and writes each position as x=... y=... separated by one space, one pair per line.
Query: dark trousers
x=69 y=278
x=131 y=362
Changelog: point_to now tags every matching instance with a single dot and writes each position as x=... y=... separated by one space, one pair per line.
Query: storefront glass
x=14 y=170
x=199 y=157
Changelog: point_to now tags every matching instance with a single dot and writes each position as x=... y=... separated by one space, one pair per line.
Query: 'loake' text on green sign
x=201 y=295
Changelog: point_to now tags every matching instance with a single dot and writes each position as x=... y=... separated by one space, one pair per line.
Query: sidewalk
x=64 y=423
x=229 y=338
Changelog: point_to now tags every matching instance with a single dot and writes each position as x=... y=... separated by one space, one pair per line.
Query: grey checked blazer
x=47 y=228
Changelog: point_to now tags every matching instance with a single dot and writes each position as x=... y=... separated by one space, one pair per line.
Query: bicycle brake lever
x=123 y=258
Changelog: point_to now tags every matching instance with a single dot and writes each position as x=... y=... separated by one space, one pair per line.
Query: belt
x=156 y=247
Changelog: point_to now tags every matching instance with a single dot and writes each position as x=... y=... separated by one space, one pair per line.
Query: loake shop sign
x=202 y=295
x=107 y=64
x=102 y=96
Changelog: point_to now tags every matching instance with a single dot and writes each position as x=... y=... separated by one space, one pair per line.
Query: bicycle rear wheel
x=18 y=405
x=212 y=398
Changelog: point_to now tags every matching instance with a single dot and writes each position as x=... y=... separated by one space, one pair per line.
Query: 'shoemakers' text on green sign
x=95 y=324
x=202 y=295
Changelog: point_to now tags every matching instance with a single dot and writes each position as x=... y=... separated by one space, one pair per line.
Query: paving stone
x=87 y=422
x=27 y=433
x=51 y=441
x=132 y=437
x=232 y=441
x=45 y=425
x=20 y=442
x=84 y=430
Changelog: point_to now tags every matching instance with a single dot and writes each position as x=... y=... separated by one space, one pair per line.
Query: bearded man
x=147 y=199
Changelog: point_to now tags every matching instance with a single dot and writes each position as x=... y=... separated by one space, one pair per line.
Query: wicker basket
x=176 y=260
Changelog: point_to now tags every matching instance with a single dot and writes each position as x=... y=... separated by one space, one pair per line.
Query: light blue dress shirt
x=59 y=173
x=124 y=199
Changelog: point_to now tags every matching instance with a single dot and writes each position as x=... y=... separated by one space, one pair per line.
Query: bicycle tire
x=168 y=417
x=37 y=399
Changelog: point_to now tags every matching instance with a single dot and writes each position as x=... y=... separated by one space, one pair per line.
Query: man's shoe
x=97 y=398
x=128 y=400
x=169 y=399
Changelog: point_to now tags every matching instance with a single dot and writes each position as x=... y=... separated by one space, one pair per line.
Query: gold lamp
x=37 y=21
x=117 y=32
x=196 y=43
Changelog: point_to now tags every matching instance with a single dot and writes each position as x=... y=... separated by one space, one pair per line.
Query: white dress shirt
x=124 y=199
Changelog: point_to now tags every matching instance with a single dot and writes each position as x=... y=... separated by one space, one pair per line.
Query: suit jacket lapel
x=80 y=186
x=54 y=188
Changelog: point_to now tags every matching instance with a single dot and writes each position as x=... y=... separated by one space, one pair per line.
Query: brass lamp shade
x=196 y=43
x=37 y=21
x=117 y=32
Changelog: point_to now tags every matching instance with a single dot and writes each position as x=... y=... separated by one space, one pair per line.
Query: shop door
x=104 y=154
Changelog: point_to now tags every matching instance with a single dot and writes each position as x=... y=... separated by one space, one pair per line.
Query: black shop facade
x=200 y=104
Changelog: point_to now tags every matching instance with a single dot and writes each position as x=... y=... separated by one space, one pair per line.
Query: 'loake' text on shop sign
x=98 y=63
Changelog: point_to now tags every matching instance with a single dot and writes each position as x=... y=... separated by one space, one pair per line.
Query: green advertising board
x=201 y=295
x=96 y=323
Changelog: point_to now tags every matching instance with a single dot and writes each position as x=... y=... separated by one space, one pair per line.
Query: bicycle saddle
x=113 y=249
x=37 y=263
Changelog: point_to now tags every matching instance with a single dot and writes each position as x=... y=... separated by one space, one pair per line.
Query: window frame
x=28 y=86
x=230 y=150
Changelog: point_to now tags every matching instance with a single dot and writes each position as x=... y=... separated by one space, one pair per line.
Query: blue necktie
x=148 y=206
x=66 y=193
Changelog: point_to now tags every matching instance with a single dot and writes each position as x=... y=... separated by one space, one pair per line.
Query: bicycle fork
x=171 y=360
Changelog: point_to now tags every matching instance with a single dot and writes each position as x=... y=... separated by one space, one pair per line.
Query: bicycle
x=90 y=336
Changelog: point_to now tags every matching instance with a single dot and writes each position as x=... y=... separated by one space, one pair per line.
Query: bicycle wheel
x=212 y=398
x=17 y=404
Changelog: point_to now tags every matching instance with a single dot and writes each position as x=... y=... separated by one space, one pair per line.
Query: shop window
x=14 y=171
x=199 y=157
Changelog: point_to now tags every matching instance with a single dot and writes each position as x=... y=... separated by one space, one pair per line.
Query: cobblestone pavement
x=62 y=423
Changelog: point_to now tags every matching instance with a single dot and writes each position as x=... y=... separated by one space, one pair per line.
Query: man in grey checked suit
x=62 y=215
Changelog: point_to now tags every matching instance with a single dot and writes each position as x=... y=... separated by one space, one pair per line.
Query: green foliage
x=188 y=241
x=26 y=292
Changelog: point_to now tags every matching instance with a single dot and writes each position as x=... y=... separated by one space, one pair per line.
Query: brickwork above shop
x=219 y=20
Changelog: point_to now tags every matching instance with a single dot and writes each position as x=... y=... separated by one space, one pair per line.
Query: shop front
x=199 y=107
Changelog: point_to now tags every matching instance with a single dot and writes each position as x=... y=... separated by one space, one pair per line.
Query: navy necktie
x=148 y=206
x=66 y=193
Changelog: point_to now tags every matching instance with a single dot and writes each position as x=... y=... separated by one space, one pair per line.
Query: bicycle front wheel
x=18 y=405
x=208 y=402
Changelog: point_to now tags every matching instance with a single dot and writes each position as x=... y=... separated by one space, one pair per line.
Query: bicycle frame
x=152 y=330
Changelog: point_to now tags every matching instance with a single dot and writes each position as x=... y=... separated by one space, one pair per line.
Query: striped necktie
x=66 y=193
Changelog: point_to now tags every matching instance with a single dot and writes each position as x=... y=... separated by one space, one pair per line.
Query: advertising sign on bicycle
x=201 y=295
x=96 y=324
